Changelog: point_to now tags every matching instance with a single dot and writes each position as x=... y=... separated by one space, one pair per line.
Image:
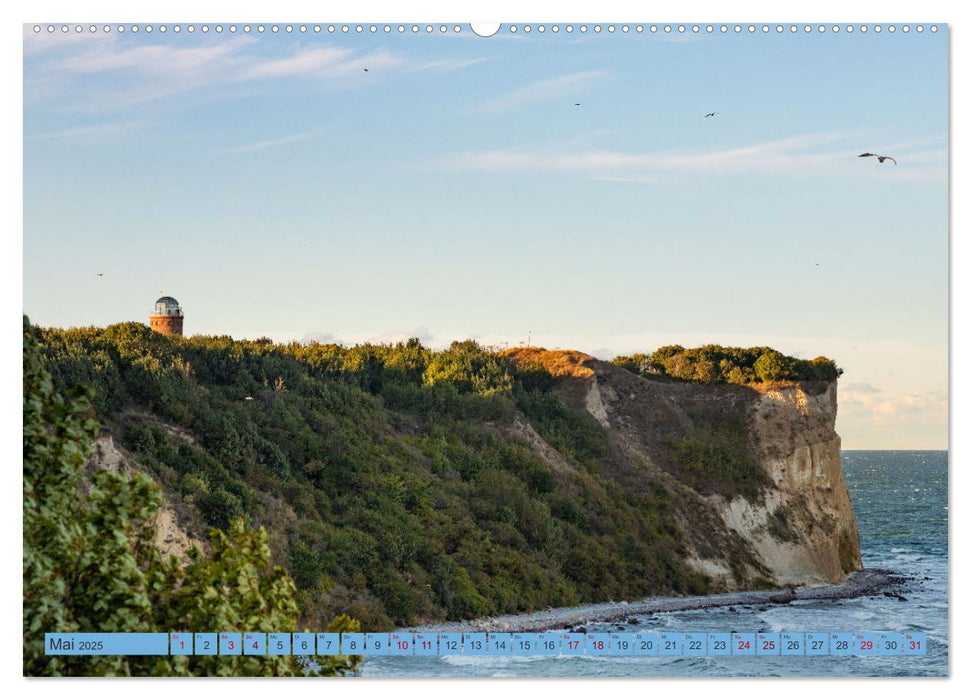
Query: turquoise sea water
x=901 y=506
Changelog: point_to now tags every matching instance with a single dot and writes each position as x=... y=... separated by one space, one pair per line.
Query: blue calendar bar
x=230 y=644
x=180 y=643
x=205 y=643
x=402 y=644
x=377 y=643
x=695 y=644
x=525 y=644
x=914 y=643
x=450 y=644
x=106 y=644
x=719 y=644
x=278 y=644
x=768 y=644
x=792 y=643
x=407 y=644
x=622 y=643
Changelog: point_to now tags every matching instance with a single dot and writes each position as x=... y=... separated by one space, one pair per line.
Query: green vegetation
x=716 y=459
x=781 y=524
x=89 y=563
x=715 y=364
x=384 y=475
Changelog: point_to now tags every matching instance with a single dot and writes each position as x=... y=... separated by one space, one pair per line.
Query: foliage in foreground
x=89 y=565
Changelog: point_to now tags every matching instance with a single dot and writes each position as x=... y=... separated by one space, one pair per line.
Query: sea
x=900 y=499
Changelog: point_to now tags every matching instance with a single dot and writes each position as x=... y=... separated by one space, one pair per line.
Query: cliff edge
x=761 y=498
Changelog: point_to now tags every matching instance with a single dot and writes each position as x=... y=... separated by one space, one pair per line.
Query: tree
x=471 y=369
x=89 y=564
x=771 y=366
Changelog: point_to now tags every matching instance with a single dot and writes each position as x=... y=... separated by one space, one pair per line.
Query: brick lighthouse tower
x=167 y=317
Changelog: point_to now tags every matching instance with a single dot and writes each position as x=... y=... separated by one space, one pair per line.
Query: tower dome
x=167 y=316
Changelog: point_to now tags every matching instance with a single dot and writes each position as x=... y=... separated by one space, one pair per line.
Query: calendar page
x=438 y=349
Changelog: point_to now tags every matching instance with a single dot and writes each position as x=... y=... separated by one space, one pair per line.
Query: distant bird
x=710 y=114
x=365 y=70
x=101 y=274
x=576 y=104
x=880 y=159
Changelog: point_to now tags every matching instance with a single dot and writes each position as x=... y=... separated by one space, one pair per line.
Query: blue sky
x=455 y=190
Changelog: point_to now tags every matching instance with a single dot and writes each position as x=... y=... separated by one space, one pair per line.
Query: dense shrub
x=713 y=364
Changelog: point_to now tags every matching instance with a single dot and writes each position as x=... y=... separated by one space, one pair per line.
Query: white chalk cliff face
x=799 y=448
x=799 y=530
x=171 y=537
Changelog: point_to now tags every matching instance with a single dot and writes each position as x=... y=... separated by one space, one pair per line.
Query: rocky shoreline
x=867 y=582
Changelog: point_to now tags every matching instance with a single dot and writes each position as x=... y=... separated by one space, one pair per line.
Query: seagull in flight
x=710 y=114
x=880 y=159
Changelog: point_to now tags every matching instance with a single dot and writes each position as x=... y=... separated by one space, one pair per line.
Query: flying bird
x=880 y=159
x=576 y=104
x=365 y=70
x=101 y=274
x=710 y=114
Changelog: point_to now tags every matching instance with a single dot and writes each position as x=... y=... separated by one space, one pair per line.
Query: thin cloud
x=802 y=155
x=561 y=86
x=930 y=406
x=447 y=64
x=155 y=59
x=90 y=133
x=263 y=145
x=161 y=70
x=323 y=63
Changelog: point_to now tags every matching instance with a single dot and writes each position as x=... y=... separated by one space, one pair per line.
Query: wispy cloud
x=90 y=133
x=448 y=64
x=110 y=73
x=155 y=59
x=322 y=63
x=270 y=143
x=570 y=84
x=803 y=155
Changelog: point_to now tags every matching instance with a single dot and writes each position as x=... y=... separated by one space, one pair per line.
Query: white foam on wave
x=502 y=661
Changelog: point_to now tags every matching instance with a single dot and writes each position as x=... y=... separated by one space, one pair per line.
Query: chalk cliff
x=797 y=525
